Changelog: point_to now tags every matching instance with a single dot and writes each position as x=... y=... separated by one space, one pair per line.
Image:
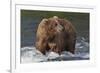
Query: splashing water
x=30 y=54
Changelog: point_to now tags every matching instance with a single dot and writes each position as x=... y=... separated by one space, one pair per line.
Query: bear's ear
x=44 y=21
x=55 y=17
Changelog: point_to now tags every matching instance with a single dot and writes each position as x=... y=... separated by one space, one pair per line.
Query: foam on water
x=31 y=54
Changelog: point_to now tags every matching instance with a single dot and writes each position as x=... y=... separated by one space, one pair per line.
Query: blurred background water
x=30 y=20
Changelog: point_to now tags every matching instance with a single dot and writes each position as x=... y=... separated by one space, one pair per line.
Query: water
x=29 y=24
x=30 y=54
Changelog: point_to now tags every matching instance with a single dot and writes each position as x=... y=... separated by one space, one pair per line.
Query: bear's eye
x=56 y=24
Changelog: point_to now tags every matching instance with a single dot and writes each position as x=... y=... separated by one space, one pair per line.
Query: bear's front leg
x=41 y=45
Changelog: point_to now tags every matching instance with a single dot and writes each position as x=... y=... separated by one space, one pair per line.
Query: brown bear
x=55 y=34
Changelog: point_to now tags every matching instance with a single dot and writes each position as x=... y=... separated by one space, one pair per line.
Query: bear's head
x=53 y=25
